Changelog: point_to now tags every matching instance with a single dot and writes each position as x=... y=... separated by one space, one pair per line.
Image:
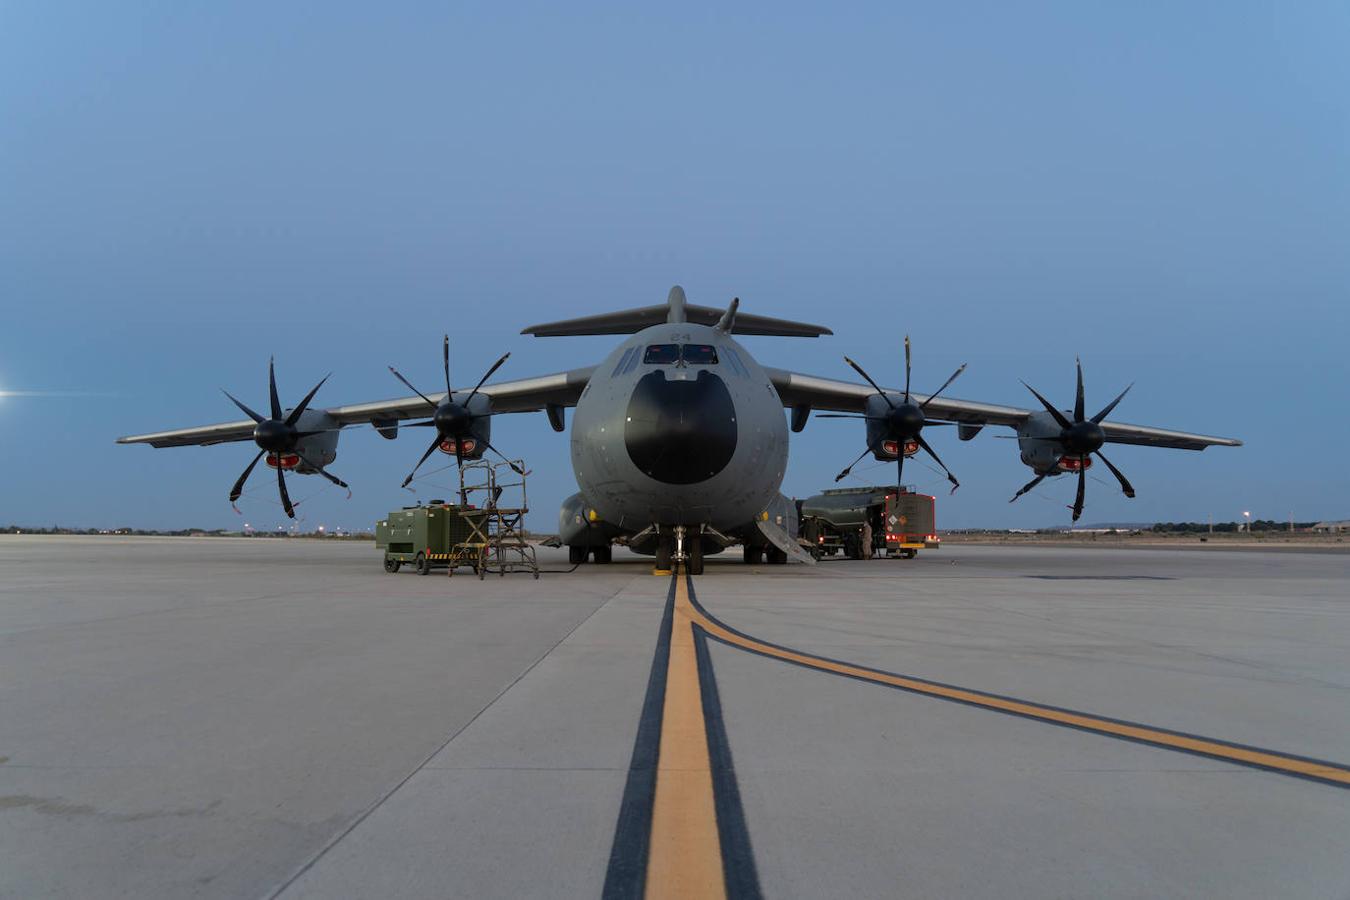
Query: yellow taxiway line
x=686 y=854
x=1328 y=772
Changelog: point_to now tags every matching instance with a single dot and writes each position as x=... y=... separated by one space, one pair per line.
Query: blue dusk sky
x=189 y=188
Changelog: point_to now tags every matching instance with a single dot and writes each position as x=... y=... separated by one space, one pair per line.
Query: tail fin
x=674 y=310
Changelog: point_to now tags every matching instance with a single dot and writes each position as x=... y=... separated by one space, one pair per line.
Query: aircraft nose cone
x=680 y=432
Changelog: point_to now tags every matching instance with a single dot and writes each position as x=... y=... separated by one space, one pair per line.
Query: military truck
x=902 y=521
x=436 y=536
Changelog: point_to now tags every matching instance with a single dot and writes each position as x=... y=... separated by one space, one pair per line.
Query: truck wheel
x=576 y=555
x=753 y=555
x=602 y=555
x=391 y=565
x=910 y=554
x=777 y=557
x=423 y=564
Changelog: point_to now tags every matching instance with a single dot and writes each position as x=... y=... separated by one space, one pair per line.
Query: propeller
x=1080 y=437
x=279 y=436
x=452 y=418
x=902 y=422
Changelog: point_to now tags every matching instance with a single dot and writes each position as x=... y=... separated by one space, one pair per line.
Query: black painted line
x=738 y=857
x=626 y=876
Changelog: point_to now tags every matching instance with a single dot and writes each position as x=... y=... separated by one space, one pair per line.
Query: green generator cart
x=439 y=535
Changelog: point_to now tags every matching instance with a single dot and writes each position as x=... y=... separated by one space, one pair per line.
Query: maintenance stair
x=495 y=539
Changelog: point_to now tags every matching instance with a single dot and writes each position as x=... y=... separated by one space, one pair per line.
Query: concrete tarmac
x=260 y=718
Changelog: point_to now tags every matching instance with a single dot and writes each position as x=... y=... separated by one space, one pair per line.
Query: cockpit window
x=662 y=354
x=700 y=354
x=673 y=354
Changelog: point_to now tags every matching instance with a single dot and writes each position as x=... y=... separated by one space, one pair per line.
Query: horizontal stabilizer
x=631 y=321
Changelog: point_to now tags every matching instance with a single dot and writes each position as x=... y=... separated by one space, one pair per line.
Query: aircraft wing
x=797 y=389
x=523 y=395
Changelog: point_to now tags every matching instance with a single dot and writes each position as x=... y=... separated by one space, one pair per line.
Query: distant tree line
x=181 y=532
x=1227 y=527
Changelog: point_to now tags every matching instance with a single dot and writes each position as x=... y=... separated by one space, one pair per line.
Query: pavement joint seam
x=338 y=838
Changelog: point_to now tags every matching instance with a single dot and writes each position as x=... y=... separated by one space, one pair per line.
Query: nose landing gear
x=678 y=545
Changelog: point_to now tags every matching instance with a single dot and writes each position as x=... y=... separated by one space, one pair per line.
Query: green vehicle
x=439 y=535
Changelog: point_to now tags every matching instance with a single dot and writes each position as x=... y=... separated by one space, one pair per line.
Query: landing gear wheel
x=423 y=564
x=753 y=555
x=391 y=565
x=777 y=557
x=602 y=555
x=693 y=551
x=576 y=555
x=664 y=551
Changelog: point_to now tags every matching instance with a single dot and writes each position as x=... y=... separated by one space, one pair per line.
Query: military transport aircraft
x=679 y=442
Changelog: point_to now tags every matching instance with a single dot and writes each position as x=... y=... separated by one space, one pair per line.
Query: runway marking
x=1332 y=773
x=681 y=830
x=686 y=855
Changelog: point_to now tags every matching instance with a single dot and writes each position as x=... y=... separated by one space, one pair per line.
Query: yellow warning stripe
x=685 y=859
x=1323 y=771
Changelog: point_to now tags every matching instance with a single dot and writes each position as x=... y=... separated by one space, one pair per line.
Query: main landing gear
x=577 y=555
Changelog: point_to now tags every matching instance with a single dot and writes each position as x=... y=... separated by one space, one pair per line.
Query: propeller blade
x=400 y=377
x=514 y=468
x=1125 y=485
x=430 y=450
x=285 y=497
x=906 y=368
x=900 y=472
x=1078 y=498
x=1049 y=407
x=239 y=485
x=429 y=423
x=950 y=477
x=495 y=366
x=1029 y=485
x=304 y=404
x=1078 y=398
x=1097 y=419
x=868 y=378
x=445 y=353
x=272 y=388
x=459 y=454
x=324 y=472
x=248 y=412
x=945 y=384
x=844 y=474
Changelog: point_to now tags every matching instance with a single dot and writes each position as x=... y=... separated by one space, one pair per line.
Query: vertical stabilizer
x=675 y=306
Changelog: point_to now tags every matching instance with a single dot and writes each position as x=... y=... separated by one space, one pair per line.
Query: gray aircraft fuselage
x=678 y=439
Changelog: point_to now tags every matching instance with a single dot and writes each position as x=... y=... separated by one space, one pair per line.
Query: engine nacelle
x=1041 y=450
x=475 y=444
x=312 y=450
x=883 y=448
